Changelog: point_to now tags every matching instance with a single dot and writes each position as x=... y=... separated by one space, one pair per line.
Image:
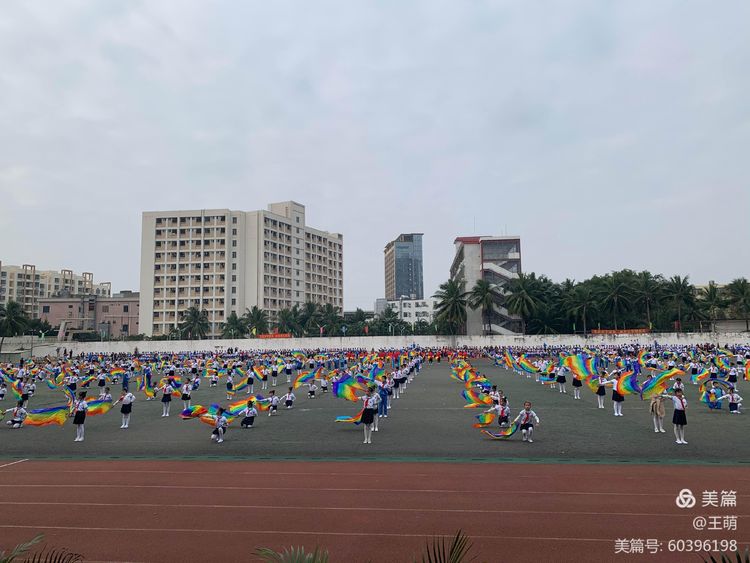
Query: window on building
x=234 y=266
x=126 y=308
x=45 y=308
x=234 y=278
x=234 y=243
x=105 y=308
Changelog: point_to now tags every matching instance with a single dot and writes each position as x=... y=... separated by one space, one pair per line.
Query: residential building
x=113 y=316
x=414 y=310
x=381 y=304
x=225 y=261
x=403 y=267
x=27 y=285
x=496 y=260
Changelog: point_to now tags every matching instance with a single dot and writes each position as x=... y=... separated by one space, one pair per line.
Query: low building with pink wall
x=113 y=317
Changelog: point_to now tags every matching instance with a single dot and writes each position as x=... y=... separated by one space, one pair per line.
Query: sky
x=606 y=135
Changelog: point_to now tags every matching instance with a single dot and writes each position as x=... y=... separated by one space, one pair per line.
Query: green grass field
x=428 y=423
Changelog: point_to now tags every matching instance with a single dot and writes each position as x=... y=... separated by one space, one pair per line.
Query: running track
x=222 y=510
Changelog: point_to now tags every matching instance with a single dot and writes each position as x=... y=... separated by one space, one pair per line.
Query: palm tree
x=483 y=295
x=681 y=293
x=310 y=318
x=256 y=320
x=234 y=327
x=522 y=297
x=13 y=320
x=739 y=298
x=581 y=302
x=647 y=291
x=330 y=319
x=614 y=294
x=288 y=321
x=451 y=306
x=194 y=323
x=712 y=301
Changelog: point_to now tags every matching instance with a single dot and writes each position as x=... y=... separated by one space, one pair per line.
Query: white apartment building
x=496 y=260
x=225 y=261
x=414 y=310
x=26 y=285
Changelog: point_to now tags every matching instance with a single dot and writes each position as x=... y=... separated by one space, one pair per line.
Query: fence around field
x=47 y=347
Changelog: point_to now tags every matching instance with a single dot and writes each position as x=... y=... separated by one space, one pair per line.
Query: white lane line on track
x=13 y=463
x=340 y=508
x=291 y=532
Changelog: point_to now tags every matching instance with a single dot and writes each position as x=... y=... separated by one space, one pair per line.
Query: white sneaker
x=370 y=441
x=530 y=441
x=219 y=441
x=385 y=416
x=656 y=430
x=678 y=442
x=364 y=442
x=662 y=430
x=684 y=442
x=376 y=429
x=213 y=437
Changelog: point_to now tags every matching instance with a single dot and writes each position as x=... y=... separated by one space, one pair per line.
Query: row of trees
x=623 y=299
x=15 y=322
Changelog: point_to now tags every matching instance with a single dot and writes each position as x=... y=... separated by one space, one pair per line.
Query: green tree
x=739 y=298
x=288 y=321
x=522 y=297
x=615 y=295
x=13 y=320
x=450 y=308
x=712 y=302
x=256 y=319
x=581 y=302
x=331 y=320
x=681 y=294
x=234 y=327
x=310 y=318
x=483 y=296
x=194 y=323
x=647 y=292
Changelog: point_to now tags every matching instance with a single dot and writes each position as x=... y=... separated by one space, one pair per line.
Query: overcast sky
x=605 y=134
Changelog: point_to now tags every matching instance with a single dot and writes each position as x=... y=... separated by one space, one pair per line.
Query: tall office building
x=403 y=267
x=496 y=260
x=27 y=285
x=225 y=261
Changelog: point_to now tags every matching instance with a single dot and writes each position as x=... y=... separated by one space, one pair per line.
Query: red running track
x=221 y=511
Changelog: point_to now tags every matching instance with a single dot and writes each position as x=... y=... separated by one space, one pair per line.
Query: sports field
x=162 y=490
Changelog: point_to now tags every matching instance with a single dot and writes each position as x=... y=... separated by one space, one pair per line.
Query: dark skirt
x=101 y=383
x=185 y=397
x=216 y=431
x=288 y=403
x=80 y=417
x=166 y=398
x=616 y=397
x=368 y=415
x=126 y=409
x=229 y=386
x=560 y=379
x=396 y=383
x=502 y=420
x=247 y=421
x=679 y=418
x=577 y=382
x=733 y=407
x=600 y=391
x=527 y=426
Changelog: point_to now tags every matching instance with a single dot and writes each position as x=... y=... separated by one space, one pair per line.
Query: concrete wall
x=371 y=342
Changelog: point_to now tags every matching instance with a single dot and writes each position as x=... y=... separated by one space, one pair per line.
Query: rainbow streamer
x=475 y=399
x=46 y=417
x=709 y=397
x=700 y=376
x=98 y=406
x=656 y=384
x=484 y=419
x=356 y=419
x=526 y=364
x=193 y=411
x=303 y=378
x=627 y=384
x=503 y=433
x=343 y=389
